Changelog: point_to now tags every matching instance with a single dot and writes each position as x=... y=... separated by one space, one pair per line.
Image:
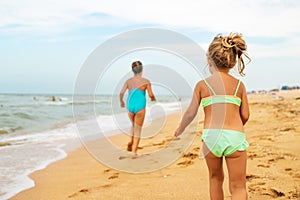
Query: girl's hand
x=122 y=104
x=178 y=132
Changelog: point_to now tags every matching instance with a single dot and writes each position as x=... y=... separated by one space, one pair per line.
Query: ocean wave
x=4 y=115
x=5 y=130
x=4 y=144
x=57 y=103
x=62 y=103
x=24 y=115
x=36 y=104
x=17 y=179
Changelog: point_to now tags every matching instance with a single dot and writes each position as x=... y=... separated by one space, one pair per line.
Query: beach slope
x=273 y=169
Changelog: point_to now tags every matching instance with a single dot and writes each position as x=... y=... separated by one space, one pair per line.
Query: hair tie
x=227 y=42
x=136 y=63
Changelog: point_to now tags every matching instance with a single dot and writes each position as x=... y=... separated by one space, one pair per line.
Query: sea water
x=35 y=130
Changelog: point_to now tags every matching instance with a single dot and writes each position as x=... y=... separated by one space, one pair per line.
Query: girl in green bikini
x=225 y=104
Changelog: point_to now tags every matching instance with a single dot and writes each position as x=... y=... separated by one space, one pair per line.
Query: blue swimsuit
x=136 y=100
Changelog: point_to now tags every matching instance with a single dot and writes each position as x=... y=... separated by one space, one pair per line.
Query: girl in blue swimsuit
x=225 y=104
x=136 y=103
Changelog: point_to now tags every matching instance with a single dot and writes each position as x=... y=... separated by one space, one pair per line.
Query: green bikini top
x=216 y=99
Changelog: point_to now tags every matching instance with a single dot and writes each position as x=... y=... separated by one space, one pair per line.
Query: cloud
x=51 y=16
x=255 y=18
x=289 y=48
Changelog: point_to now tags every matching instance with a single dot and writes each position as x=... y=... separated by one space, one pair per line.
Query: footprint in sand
x=159 y=144
x=296 y=176
x=123 y=157
x=288 y=169
x=169 y=139
x=271 y=160
x=107 y=170
x=186 y=163
x=252 y=188
x=134 y=157
x=288 y=129
x=295 y=112
x=274 y=193
x=256 y=186
x=280 y=158
x=276 y=159
x=260 y=183
x=106 y=185
x=264 y=166
x=190 y=155
x=196 y=149
x=82 y=191
x=289 y=156
x=252 y=155
x=267 y=138
x=251 y=177
x=114 y=176
x=294 y=194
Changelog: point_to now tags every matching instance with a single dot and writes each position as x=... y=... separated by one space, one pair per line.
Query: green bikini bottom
x=222 y=142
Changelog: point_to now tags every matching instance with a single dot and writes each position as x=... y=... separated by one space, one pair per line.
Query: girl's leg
x=216 y=174
x=137 y=128
x=236 y=164
x=129 y=145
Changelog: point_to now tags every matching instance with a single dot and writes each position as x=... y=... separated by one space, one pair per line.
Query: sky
x=44 y=44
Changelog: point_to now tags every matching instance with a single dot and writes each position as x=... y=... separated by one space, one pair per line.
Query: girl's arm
x=191 y=112
x=244 y=109
x=122 y=92
x=150 y=92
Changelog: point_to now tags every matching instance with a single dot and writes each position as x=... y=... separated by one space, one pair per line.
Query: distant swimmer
x=53 y=98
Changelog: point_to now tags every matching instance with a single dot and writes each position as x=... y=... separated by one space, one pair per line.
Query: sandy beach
x=273 y=168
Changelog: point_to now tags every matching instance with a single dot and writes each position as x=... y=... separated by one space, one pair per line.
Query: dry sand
x=273 y=132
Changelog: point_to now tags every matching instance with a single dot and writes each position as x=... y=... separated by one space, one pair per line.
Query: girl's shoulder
x=145 y=80
x=139 y=81
x=205 y=81
x=129 y=80
x=200 y=85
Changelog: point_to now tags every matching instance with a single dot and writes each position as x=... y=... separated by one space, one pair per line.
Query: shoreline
x=58 y=141
x=273 y=133
x=118 y=139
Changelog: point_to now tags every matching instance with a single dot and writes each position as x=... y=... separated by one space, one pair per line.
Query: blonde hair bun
x=226 y=51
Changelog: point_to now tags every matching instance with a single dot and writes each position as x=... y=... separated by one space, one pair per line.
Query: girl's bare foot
x=129 y=146
x=135 y=155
